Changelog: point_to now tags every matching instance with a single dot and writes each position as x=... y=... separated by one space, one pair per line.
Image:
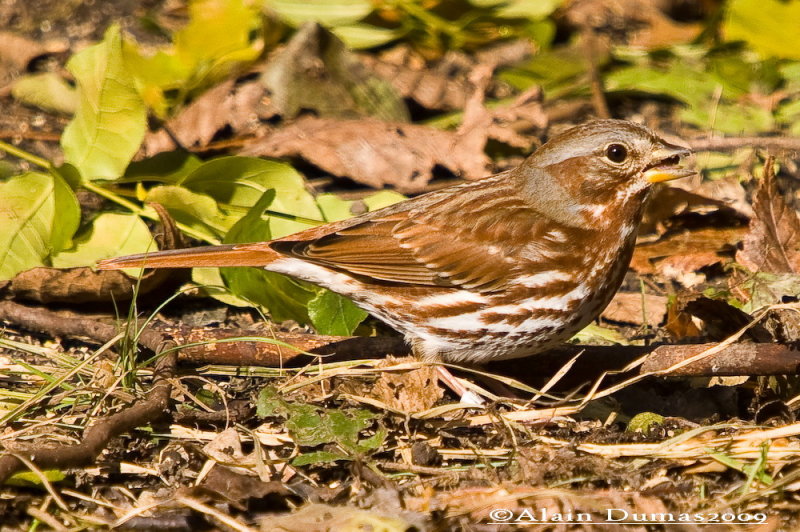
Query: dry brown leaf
x=679 y=324
x=725 y=198
x=16 y=51
x=377 y=153
x=525 y=115
x=195 y=125
x=684 y=268
x=651 y=28
x=772 y=243
x=629 y=307
x=317 y=517
x=85 y=285
x=444 y=85
x=316 y=72
x=691 y=246
x=410 y=391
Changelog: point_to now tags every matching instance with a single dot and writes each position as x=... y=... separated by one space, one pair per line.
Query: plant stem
x=144 y=213
x=25 y=156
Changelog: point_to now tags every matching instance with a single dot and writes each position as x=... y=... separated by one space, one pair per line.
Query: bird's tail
x=258 y=254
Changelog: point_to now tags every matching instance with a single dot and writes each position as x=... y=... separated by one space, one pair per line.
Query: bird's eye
x=616 y=153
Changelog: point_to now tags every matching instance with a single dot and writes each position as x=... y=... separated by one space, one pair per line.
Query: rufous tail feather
x=208 y=256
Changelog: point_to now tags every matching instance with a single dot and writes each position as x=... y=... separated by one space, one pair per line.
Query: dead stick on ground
x=97 y=436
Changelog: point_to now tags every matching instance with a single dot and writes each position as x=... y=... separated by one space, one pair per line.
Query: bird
x=503 y=267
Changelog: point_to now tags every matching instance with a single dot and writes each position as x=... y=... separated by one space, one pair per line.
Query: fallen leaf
x=686 y=249
x=679 y=324
x=684 y=268
x=195 y=125
x=85 y=285
x=636 y=309
x=724 y=198
x=16 y=51
x=772 y=243
x=408 y=391
x=376 y=153
x=443 y=85
x=721 y=319
x=316 y=71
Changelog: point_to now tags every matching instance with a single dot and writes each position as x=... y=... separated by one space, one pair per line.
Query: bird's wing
x=467 y=240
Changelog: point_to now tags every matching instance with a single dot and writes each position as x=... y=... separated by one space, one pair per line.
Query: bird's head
x=600 y=165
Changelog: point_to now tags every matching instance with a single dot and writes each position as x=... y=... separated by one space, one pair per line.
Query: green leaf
x=29 y=478
x=382 y=199
x=645 y=422
x=270 y=403
x=709 y=90
x=39 y=216
x=170 y=167
x=334 y=208
x=110 y=122
x=771 y=27
x=361 y=36
x=212 y=284
x=109 y=235
x=158 y=75
x=333 y=314
x=319 y=457
x=326 y=12
x=196 y=210
x=530 y=9
x=558 y=71
x=769 y=288
x=47 y=91
x=284 y=298
x=310 y=426
x=594 y=334
x=237 y=183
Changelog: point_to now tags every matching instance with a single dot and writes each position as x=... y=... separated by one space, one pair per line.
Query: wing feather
x=425 y=241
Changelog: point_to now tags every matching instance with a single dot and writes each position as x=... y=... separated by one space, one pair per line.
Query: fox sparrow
x=499 y=268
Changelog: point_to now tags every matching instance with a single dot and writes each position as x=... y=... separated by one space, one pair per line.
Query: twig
x=97 y=436
x=733 y=143
x=595 y=81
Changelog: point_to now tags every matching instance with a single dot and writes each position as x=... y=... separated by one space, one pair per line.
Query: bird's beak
x=666 y=164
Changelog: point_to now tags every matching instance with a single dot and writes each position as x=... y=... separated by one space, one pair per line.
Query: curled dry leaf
x=686 y=252
x=227 y=104
x=721 y=319
x=316 y=72
x=772 y=243
x=85 y=285
x=377 y=153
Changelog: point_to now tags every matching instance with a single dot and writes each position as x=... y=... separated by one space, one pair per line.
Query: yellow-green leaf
x=109 y=235
x=771 y=27
x=111 y=119
x=39 y=214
